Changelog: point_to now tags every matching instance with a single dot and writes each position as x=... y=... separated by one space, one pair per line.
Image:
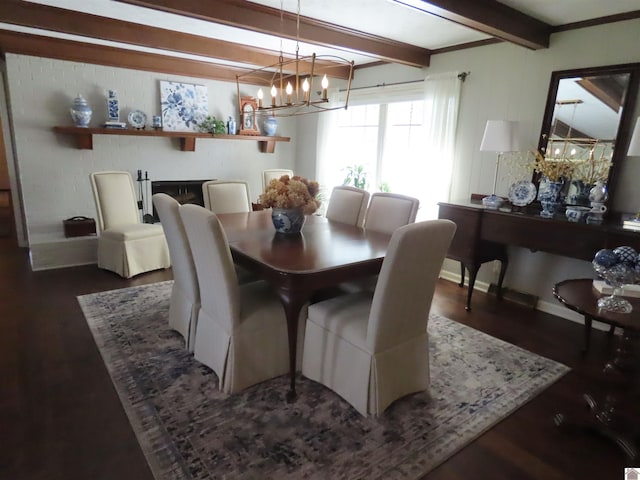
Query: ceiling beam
x=490 y=17
x=259 y=18
x=54 y=19
x=70 y=50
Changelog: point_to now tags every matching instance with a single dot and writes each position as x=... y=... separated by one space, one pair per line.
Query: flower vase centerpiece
x=290 y=200
x=554 y=171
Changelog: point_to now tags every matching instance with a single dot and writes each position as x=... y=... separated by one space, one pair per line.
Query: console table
x=483 y=235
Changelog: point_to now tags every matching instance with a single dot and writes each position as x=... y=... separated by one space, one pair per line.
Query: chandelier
x=290 y=82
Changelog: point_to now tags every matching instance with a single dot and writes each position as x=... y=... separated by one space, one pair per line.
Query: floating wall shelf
x=84 y=137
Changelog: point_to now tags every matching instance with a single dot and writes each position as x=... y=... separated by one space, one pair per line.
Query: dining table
x=298 y=266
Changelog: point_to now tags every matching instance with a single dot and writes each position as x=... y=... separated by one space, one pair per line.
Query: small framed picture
x=248 y=125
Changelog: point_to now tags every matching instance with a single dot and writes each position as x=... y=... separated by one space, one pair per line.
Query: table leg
x=603 y=420
x=587 y=333
x=626 y=358
x=504 y=262
x=607 y=419
x=473 y=273
x=292 y=303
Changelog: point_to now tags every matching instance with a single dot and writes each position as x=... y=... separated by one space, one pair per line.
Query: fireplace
x=184 y=191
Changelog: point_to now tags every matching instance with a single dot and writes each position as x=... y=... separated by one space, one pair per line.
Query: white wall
x=53 y=175
x=511 y=82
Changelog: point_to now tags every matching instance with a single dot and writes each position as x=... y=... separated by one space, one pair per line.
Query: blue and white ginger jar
x=81 y=112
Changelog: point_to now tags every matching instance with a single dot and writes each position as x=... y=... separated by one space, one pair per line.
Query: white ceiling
x=383 y=18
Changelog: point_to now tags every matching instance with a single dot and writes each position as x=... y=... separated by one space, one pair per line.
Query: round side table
x=580 y=295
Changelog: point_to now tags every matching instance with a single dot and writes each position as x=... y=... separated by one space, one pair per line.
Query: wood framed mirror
x=588 y=120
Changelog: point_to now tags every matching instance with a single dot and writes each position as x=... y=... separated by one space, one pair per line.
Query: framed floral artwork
x=183 y=105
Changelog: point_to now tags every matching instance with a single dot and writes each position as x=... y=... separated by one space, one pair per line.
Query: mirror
x=588 y=114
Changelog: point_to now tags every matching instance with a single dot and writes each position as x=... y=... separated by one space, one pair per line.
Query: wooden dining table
x=323 y=255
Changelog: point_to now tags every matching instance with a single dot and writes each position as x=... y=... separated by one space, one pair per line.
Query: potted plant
x=213 y=126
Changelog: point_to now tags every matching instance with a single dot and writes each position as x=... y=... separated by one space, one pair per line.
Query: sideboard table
x=611 y=419
x=483 y=235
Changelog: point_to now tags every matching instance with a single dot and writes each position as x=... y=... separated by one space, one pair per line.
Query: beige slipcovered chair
x=226 y=196
x=125 y=246
x=347 y=205
x=372 y=349
x=185 y=293
x=388 y=211
x=274 y=173
x=241 y=333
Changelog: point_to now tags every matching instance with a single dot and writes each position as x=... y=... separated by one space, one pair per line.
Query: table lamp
x=634 y=149
x=499 y=136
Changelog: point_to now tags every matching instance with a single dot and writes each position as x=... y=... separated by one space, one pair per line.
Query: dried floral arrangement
x=295 y=192
x=591 y=170
x=554 y=169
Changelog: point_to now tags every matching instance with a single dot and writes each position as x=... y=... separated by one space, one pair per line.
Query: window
x=388 y=141
x=403 y=139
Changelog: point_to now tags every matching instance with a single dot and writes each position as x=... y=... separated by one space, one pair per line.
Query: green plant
x=213 y=126
x=384 y=187
x=356 y=176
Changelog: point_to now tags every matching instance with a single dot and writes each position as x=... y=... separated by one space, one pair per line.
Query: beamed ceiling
x=222 y=38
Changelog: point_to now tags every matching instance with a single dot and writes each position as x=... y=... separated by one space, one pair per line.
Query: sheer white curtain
x=427 y=167
x=442 y=102
x=328 y=160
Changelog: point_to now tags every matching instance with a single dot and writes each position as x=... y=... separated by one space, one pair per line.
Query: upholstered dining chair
x=372 y=349
x=347 y=205
x=388 y=211
x=226 y=196
x=241 y=333
x=184 y=305
x=274 y=173
x=126 y=246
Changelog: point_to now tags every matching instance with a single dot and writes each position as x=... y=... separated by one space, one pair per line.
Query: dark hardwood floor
x=60 y=416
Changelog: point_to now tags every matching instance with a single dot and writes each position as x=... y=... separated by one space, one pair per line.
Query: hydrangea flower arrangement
x=295 y=192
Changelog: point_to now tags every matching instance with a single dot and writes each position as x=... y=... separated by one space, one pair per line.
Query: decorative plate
x=137 y=119
x=522 y=193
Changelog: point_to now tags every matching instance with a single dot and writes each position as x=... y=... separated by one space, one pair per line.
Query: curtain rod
x=461 y=76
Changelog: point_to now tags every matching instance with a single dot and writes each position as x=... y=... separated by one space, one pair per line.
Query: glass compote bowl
x=617 y=276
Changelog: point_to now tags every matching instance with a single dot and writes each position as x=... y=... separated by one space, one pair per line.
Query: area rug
x=189 y=430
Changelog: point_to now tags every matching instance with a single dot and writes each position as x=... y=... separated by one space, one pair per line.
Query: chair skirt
x=133 y=249
x=183 y=315
x=233 y=356
x=336 y=355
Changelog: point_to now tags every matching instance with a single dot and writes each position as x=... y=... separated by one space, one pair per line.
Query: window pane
x=357 y=141
x=403 y=162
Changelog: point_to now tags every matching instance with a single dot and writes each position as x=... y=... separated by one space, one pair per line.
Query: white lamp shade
x=500 y=136
x=634 y=145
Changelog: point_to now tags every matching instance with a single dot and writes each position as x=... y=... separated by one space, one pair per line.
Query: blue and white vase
x=113 y=107
x=270 y=126
x=550 y=198
x=81 y=112
x=231 y=126
x=288 y=220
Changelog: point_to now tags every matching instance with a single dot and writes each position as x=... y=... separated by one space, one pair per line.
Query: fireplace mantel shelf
x=84 y=137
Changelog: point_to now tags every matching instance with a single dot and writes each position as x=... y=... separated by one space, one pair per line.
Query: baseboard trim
x=526 y=299
x=71 y=252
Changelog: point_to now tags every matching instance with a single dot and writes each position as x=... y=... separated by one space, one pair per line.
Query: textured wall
x=53 y=175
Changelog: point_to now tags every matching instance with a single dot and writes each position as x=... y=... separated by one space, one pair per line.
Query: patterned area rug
x=190 y=430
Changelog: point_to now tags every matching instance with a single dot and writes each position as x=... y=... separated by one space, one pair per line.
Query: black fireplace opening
x=184 y=191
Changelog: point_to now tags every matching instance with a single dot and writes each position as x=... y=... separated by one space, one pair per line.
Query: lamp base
x=492 y=202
